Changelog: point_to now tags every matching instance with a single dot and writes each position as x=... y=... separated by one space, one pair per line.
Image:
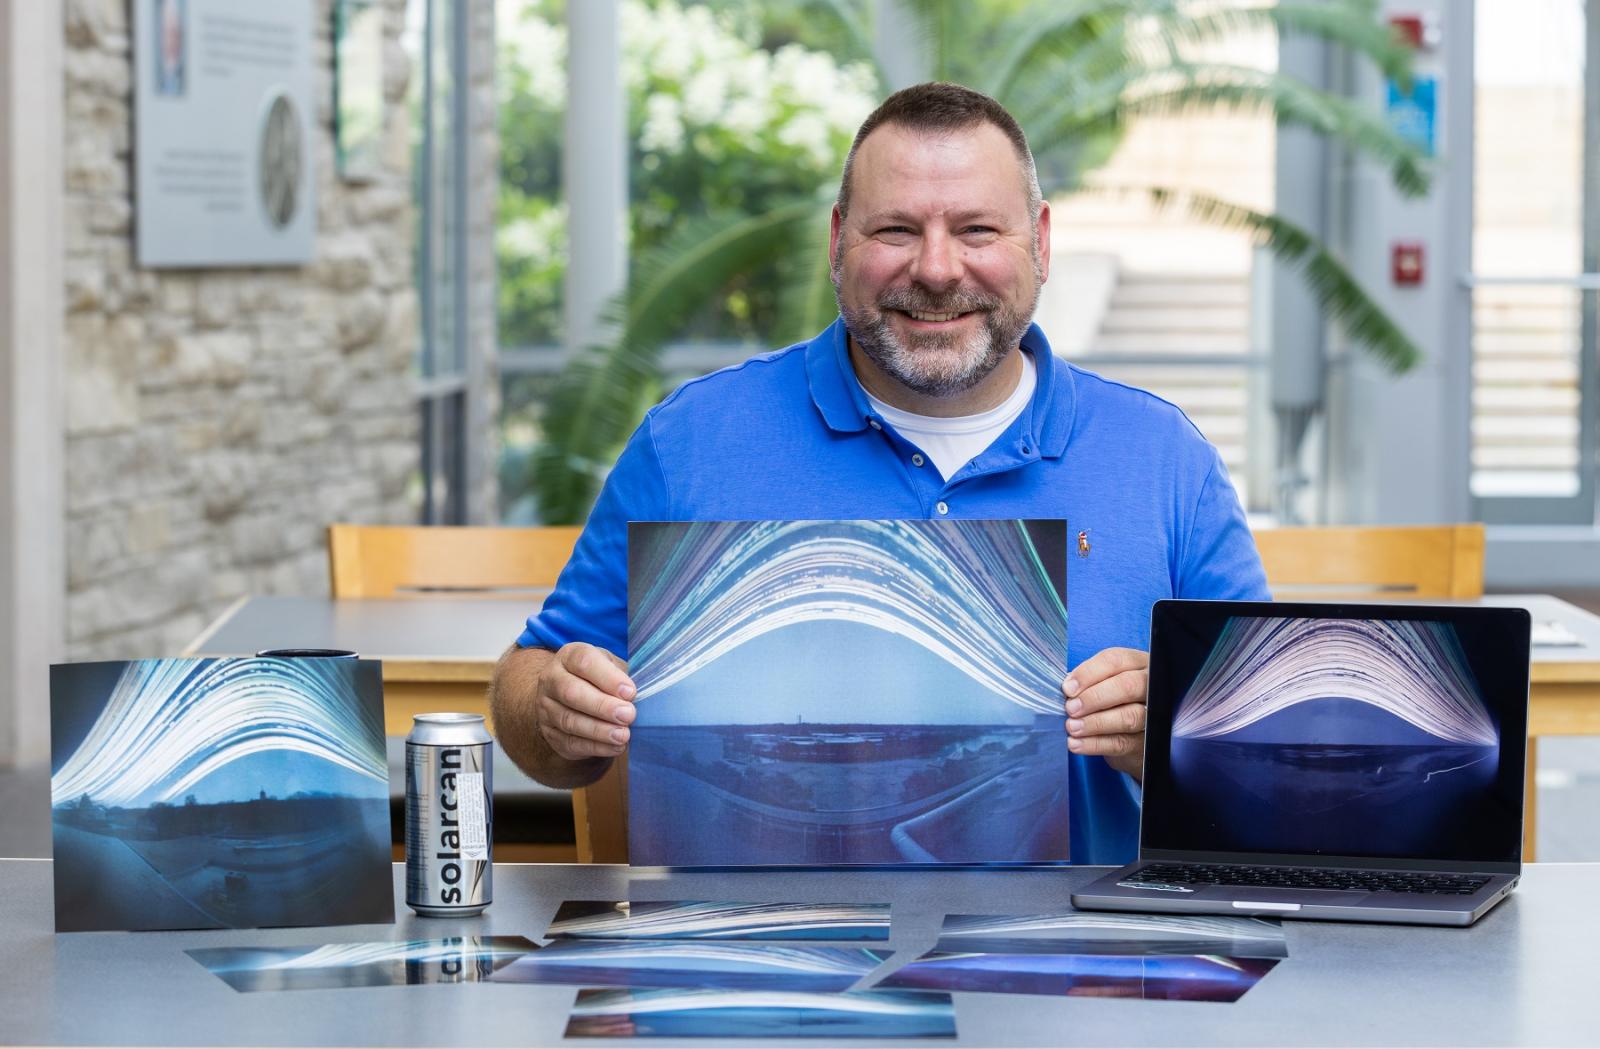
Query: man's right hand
x=583 y=703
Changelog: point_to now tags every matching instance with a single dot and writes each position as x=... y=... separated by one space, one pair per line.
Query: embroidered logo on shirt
x=1083 y=543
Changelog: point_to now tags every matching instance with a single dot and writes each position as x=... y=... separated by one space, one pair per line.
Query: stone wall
x=217 y=420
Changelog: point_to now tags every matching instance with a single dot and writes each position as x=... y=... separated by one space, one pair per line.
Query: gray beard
x=936 y=365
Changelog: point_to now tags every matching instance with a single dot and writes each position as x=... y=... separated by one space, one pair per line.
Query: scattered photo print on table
x=1090 y=932
x=653 y=963
x=826 y=693
x=219 y=793
x=689 y=920
x=1187 y=978
x=677 y=1013
x=455 y=959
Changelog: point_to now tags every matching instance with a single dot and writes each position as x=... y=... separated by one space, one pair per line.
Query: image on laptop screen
x=1337 y=735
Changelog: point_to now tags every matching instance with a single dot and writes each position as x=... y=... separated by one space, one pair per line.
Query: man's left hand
x=1105 y=707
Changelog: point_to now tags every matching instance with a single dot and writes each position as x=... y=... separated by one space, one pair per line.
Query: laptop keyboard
x=1310 y=878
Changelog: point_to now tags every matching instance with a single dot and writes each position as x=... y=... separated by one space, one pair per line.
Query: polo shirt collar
x=843 y=404
x=835 y=389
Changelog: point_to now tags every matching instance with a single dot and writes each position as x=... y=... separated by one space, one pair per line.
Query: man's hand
x=1105 y=707
x=562 y=716
x=584 y=703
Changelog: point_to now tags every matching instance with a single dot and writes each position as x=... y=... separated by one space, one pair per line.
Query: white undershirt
x=952 y=442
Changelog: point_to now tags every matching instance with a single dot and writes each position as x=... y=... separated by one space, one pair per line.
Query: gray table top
x=1523 y=976
x=476 y=627
x=1550 y=613
x=446 y=626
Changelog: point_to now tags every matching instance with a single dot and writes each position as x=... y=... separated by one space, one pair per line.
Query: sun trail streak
x=1414 y=669
x=170 y=723
x=973 y=593
x=341 y=955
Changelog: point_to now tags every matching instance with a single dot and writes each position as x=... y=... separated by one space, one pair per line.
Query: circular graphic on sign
x=280 y=159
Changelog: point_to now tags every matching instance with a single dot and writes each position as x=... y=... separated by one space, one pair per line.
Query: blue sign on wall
x=1414 y=115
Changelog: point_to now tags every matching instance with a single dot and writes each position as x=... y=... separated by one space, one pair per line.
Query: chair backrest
x=1355 y=563
x=384 y=560
x=600 y=816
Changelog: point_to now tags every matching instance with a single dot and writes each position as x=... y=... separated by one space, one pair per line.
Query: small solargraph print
x=676 y=963
x=451 y=959
x=219 y=793
x=695 y=920
x=680 y=1013
x=1336 y=736
x=1098 y=932
x=827 y=693
x=1168 y=977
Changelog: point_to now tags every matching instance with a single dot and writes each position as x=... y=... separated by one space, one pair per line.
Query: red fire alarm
x=1405 y=258
x=1408 y=28
x=1418 y=32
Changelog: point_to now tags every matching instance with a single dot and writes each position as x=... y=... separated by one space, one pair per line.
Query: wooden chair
x=391 y=560
x=600 y=816
x=1362 y=563
x=386 y=560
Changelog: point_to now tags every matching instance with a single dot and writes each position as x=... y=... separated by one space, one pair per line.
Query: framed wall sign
x=224 y=141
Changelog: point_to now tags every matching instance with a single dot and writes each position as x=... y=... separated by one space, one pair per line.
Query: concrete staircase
x=1154 y=323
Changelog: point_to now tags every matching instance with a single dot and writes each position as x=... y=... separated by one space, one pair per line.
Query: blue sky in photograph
x=282 y=773
x=830 y=672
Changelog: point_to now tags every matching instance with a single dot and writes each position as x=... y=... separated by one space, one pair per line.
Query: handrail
x=1581 y=281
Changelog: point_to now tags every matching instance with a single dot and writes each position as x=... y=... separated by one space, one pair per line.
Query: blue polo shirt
x=790 y=435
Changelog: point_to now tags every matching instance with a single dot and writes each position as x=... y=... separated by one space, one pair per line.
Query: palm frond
x=1340 y=296
x=1352 y=26
x=1057 y=45
x=1214 y=87
x=806 y=301
x=602 y=394
x=852 y=18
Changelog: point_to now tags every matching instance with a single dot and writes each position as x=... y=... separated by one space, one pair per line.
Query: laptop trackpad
x=1279 y=899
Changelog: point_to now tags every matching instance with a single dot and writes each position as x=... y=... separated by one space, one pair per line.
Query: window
x=1536 y=250
x=531 y=238
x=436 y=41
x=731 y=107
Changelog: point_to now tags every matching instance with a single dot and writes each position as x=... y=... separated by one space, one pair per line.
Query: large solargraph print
x=219 y=793
x=1340 y=736
x=848 y=692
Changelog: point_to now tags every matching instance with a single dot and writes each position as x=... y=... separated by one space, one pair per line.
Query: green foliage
x=730 y=200
x=717 y=124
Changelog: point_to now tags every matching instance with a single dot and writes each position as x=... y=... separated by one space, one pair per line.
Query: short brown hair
x=935 y=108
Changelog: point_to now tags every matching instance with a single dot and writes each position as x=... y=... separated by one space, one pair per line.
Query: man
x=931 y=396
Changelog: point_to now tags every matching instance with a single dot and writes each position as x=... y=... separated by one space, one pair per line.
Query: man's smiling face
x=938 y=263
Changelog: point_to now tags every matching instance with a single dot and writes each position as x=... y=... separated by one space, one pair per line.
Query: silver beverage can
x=449 y=815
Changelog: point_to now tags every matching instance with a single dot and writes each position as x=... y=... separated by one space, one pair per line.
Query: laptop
x=1355 y=762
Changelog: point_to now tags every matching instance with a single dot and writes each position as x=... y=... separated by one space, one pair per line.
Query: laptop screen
x=1391 y=732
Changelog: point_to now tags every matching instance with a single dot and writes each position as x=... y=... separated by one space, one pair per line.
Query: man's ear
x=1043 y=228
x=835 y=231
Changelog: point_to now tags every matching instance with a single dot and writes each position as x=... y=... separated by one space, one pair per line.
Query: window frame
x=446 y=391
x=1582 y=507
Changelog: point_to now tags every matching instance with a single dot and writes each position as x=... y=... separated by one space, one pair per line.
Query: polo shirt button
x=874 y=424
x=917 y=460
x=943 y=507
